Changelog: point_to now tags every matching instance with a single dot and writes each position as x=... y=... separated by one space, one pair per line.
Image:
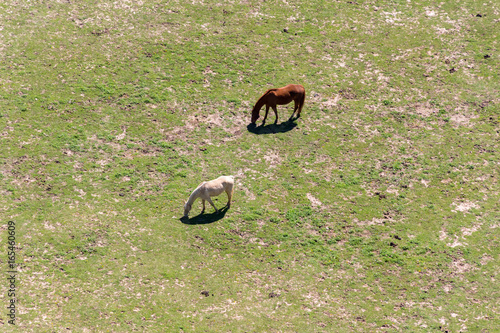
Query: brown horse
x=280 y=96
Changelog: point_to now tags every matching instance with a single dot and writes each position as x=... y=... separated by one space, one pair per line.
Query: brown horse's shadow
x=272 y=128
x=206 y=218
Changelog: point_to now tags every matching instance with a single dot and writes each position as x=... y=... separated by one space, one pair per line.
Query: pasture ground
x=377 y=211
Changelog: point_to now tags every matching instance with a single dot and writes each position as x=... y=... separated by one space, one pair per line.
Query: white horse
x=211 y=189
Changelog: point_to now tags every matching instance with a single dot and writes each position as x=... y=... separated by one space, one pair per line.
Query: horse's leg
x=275 y=113
x=265 y=117
x=296 y=106
x=210 y=202
x=203 y=201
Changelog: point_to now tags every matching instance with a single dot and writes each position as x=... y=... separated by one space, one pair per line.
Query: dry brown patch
x=486 y=258
x=314 y=202
x=456 y=243
x=469 y=231
x=442 y=235
x=374 y=221
x=425 y=110
x=331 y=102
x=273 y=158
x=460 y=266
x=464 y=206
x=462 y=119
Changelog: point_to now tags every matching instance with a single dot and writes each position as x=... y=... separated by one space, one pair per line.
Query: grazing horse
x=211 y=189
x=280 y=96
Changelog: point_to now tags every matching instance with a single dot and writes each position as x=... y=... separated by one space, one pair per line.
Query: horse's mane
x=260 y=102
x=194 y=194
x=265 y=94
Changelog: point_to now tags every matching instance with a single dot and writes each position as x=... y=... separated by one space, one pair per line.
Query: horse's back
x=219 y=185
x=297 y=88
x=226 y=179
x=223 y=181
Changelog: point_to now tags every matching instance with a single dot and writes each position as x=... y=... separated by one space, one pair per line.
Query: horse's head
x=187 y=208
x=255 y=115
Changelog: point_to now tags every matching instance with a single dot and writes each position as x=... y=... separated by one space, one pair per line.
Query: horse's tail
x=301 y=102
x=232 y=178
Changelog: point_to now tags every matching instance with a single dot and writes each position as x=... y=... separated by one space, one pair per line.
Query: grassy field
x=376 y=211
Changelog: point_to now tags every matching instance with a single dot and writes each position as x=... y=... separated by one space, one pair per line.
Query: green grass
x=376 y=211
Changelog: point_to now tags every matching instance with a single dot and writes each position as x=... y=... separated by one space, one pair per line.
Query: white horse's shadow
x=206 y=218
